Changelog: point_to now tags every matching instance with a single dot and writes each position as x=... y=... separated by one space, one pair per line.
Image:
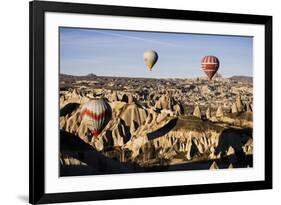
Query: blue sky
x=120 y=53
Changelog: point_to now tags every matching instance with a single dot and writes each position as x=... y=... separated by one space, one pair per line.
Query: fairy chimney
x=219 y=112
x=197 y=112
x=208 y=113
x=239 y=103
x=234 y=108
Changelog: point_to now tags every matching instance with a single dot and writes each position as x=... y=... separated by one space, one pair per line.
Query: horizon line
x=202 y=76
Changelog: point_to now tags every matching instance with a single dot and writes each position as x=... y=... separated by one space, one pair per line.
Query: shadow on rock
x=72 y=146
x=69 y=108
x=163 y=130
x=222 y=163
x=235 y=138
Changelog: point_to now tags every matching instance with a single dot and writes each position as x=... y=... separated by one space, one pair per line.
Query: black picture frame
x=37 y=194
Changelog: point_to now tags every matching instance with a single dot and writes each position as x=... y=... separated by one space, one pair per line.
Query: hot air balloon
x=96 y=113
x=210 y=65
x=150 y=58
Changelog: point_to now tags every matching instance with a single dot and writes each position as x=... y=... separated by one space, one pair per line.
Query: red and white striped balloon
x=210 y=65
x=97 y=113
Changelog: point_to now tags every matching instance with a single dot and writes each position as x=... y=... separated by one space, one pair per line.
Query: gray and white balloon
x=150 y=58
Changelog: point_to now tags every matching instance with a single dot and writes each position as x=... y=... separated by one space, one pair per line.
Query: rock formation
x=214 y=166
x=150 y=125
x=114 y=96
x=248 y=107
x=230 y=166
x=234 y=108
x=239 y=104
x=130 y=98
x=197 y=112
x=219 y=112
x=230 y=151
x=208 y=113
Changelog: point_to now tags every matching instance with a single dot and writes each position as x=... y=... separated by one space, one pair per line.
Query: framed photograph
x=141 y=102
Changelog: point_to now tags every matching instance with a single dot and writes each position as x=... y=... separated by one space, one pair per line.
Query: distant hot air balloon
x=97 y=114
x=150 y=58
x=210 y=65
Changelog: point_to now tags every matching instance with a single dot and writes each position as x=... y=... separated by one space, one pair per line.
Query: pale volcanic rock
x=219 y=112
x=158 y=105
x=206 y=90
x=178 y=108
x=170 y=154
x=230 y=151
x=200 y=140
x=148 y=151
x=135 y=144
x=197 y=112
x=212 y=154
x=72 y=123
x=162 y=116
x=199 y=146
x=208 y=113
x=83 y=132
x=62 y=101
x=98 y=143
x=239 y=104
x=165 y=142
x=236 y=121
x=165 y=102
x=183 y=141
x=234 y=108
x=117 y=136
x=90 y=95
x=114 y=96
x=150 y=105
x=130 y=98
x=248 y=107
x=143 y=115
x=117 y=107
x=137 y=121
x=73 y=97
x=248 y=147
x=149 y=119
x=150 y=123
x=62 y=123
x=133 y=116
x=68 y=160
x=75 y=94
x=188 y=149
x=214 y=166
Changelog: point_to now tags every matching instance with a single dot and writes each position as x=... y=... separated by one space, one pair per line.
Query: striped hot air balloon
x=97 y=114
x=210 y=65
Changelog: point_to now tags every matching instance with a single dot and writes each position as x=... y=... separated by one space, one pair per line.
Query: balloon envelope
x=150 y=58
x=97 y=114
x=210 y=65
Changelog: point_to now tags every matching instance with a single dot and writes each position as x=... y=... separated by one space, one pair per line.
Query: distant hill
x=242 y=78
x=66 y=77
x=91 y=76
